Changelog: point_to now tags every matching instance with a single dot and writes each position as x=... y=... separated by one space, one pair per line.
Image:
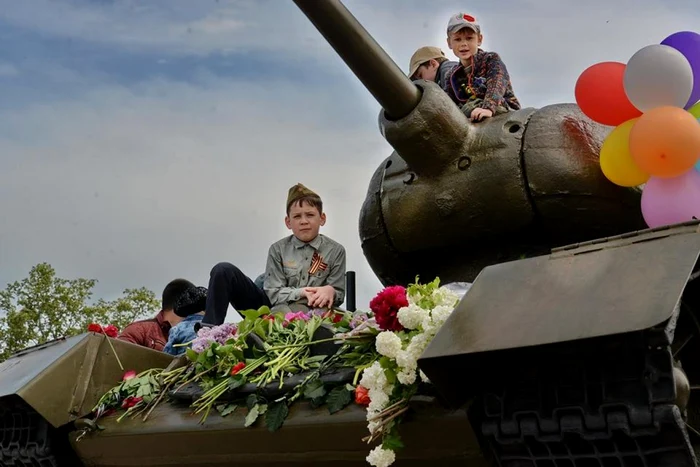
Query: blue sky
x=141 y=141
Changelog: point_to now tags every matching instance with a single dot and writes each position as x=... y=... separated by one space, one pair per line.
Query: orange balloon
x=665 y=141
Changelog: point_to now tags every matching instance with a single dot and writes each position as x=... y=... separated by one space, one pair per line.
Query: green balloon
x=695 y=110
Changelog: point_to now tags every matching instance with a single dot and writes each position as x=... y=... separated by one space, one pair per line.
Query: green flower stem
x=302 y=344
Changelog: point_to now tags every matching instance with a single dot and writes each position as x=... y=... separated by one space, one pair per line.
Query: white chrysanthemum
x=445 y=297
x=388 y=344
x=440 y=314
x=407 y=377
x=406 y=360
x=378 y=400
x=380 y=457
x=373 y=377
x=411 y=316
x=418 y=344
x=423 y=377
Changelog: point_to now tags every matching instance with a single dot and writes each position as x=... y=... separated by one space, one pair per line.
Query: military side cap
x=297 y=192
x=191 y=301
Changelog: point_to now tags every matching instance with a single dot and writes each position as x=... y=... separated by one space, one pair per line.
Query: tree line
x=43 y=307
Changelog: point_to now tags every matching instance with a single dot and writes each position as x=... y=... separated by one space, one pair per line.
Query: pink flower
x=131 y=374
x=291 y=317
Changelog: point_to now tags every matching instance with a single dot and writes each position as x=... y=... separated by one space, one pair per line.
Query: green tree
x=43 y=307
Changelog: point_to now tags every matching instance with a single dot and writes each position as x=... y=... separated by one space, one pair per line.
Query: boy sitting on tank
x=431 y=64
x=190 y=307
x=304 y=270
x=480 y=84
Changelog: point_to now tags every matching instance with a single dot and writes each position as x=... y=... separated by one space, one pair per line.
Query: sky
x=143 y=141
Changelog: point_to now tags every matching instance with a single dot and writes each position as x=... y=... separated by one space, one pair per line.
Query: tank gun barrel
x=382 y=77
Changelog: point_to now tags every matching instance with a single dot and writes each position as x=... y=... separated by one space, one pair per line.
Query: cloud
x=138 y=186
x=7 y=69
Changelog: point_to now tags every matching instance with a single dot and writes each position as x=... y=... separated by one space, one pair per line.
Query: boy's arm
x=336 y=278
x=497 y=81
x=276 y=282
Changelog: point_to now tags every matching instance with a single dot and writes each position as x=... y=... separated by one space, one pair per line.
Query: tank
x=577 y=344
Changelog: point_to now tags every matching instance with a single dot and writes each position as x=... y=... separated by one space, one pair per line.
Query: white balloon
x=656 y=76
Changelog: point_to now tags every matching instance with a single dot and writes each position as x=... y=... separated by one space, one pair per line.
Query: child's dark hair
x=172 y=291
x=311 y=200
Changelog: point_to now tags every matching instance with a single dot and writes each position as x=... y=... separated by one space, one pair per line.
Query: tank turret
x=457 y=196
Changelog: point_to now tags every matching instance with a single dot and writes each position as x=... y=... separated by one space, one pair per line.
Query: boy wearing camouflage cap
x=304 y=270
x=430 y=64
x=480 y=84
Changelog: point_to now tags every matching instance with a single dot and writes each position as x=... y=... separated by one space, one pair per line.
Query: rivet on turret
x=464 y=162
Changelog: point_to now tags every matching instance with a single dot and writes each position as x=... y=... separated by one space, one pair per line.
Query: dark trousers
x=227 y=284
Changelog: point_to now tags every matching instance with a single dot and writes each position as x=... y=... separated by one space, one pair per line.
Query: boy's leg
x=227 y=284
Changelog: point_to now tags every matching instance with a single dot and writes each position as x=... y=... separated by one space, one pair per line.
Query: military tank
x=575 y=345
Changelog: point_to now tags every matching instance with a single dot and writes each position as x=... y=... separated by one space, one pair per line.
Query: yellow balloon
x=615 y=158
x=695 y=110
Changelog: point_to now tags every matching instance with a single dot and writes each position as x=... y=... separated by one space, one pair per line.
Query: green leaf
x=276 y=414
x=226 y=409
x=236 y=381
x=317 y=402
x=392 y=440
x=252 y=416
x=314 y=389
x=338 y=399
x=251 y=401
x=191 y=355
x=390 y=375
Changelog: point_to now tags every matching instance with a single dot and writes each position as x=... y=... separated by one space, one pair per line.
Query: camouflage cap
x=297 y=192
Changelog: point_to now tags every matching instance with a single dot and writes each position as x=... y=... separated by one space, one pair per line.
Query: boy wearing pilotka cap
x=303 y=270
x=480 y=84
x=430 y=64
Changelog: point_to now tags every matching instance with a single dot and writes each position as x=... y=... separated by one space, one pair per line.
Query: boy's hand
x=320 y=297
x=479 y=114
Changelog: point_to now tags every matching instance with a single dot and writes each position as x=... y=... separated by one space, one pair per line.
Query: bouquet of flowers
x=409 y=319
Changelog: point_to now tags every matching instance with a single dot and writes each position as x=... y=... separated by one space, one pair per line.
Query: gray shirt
x=293 y=265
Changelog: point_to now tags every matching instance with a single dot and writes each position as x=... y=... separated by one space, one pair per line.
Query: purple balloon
x=671 y=200
x=688 y=43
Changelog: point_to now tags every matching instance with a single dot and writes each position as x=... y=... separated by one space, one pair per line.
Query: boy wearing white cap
x=480 y=84
x=430 y=64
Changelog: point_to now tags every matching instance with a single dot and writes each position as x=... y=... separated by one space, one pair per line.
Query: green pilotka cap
x=297 y=192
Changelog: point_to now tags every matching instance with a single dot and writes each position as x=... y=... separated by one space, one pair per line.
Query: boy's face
x=428 y=71
x=464 y=43
x=304 y=221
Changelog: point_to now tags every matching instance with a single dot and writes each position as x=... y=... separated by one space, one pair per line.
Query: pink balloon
x=671 y=200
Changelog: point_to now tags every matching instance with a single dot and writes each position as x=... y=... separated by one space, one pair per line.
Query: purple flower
x=220 y=334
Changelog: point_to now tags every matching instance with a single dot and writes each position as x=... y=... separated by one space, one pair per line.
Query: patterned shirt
x=489 y=81
x=293 y=265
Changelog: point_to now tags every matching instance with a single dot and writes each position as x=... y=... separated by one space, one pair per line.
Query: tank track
x=587 y=406
x=25 y=437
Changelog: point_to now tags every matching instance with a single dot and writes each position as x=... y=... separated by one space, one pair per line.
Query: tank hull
x=172 y=436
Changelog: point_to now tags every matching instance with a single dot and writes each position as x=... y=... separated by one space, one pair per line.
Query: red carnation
x=94 y=327
x=111 y=330
x=386 y=305
x=362 y=395
x=333 y=316
x=237 y=367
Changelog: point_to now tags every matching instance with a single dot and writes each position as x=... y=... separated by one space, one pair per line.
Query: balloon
x=697 y=166
x=671 y=200
x=695 y=110
x=688 y=43
x=658 y=75
x=601 y=96
x=616 y=160
x=665 y=141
